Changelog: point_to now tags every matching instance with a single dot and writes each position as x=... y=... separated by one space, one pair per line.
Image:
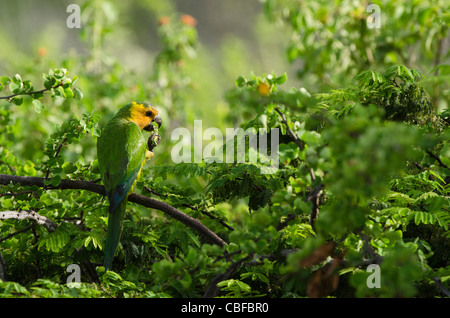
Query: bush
x=363 y=175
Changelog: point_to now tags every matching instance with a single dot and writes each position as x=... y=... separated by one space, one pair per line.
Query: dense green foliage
x=363 y=174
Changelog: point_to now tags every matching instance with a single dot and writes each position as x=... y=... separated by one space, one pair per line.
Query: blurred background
x=234 y=38
x=115 y=53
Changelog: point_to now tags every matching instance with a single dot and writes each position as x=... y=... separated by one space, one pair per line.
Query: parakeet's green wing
x=121 y=152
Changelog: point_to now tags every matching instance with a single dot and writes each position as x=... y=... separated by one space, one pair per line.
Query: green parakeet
x=121 y=152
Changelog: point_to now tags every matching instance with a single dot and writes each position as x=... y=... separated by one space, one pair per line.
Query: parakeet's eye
x=148 y=113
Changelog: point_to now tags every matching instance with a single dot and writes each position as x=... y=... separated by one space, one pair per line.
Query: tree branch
x=315 y=193
x=193 y=208
x=15 y=233
x=213 y=289
x=30 y=93
x=2 y=268
x=314 y=197
x=56 y=155
x=441 y=286
x=66 y=184
x=438 y=159
x=298 y=142
x=22 y=215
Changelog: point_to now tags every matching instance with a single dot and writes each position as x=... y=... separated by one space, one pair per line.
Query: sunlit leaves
x=56 y=82
x=69 y=132
x=372 y=163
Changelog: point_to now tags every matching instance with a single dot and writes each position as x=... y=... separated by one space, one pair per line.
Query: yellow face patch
x=142 y=114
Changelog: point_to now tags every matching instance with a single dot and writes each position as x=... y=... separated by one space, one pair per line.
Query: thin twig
x=315 y=199
x=209 y=215
x=314 y=195
x=30 y=93
x=298 y=142
x=193 y=208
x=15 y=233
x=154 y=192
x=438 y=160
x=213 y=289
x=286 y=221
x=56 y=155
x=15 y=194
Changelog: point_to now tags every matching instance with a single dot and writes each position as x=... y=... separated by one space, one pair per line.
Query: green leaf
x=281 y=79
x=60 y=74
x=17 y=79
x=96 y=132
x=288 y=151
x=27 y=86
x=68 y=167
x=55 y=181
x=61 y=91
x=6 y=204
x=16 y=88
x=13 y=288
x=311 y=137
x=55 y=241
x=49 y=81
x=407 y=72
x=292 y=53
x=17 y=100
x=417 y=217
x=5 y=80
x=240 y=81
x=38 y=106
x=77 y=94
x=68 y=92
x=37 y=95
x=194 y=238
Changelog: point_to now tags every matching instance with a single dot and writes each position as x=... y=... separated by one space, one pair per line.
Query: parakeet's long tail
x=114 y=230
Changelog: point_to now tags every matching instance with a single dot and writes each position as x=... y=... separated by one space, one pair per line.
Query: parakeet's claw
x=153 y=141
x=148 y=154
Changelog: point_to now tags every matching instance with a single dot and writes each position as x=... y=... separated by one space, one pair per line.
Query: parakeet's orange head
x=143 y=114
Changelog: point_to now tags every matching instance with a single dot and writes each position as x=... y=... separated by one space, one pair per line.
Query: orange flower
x=42 y=51
x=164 y=20
x=264 y=89
x=188 y=20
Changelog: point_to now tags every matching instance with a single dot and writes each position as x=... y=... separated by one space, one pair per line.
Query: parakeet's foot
x=153 y=141
x=148 y=154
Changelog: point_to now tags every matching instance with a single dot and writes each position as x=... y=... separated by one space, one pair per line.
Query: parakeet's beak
x=157 y=120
